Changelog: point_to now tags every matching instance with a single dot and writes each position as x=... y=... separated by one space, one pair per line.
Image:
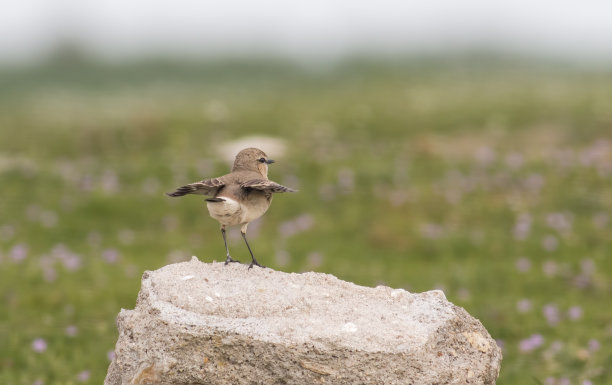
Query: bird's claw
x=255 y=263
x=230 y=259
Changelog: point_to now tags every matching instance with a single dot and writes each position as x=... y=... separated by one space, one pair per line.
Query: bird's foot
x=255 y=263
x=230 y=259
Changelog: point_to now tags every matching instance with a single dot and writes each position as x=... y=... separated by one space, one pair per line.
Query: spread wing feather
x=205 y=187
x=266 y=185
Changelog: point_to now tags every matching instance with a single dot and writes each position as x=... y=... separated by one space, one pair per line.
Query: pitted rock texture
x=207 y=323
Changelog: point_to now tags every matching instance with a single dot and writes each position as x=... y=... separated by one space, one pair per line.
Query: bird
x=239 y=197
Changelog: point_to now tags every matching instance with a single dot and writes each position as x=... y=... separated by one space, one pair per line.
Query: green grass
x=492 y=182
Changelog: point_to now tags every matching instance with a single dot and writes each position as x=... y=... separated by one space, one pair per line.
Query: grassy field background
x=489 y=180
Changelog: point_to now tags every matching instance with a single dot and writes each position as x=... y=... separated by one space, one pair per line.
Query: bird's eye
x=261 y=160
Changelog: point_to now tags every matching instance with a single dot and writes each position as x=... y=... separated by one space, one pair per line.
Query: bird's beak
x=270 y=161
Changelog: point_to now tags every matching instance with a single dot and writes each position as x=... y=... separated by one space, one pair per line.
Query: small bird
x=239 y=197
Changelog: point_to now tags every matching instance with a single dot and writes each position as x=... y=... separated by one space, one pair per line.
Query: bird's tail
x=184 y=190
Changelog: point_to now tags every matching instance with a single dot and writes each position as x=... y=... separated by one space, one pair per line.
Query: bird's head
x=252 y=159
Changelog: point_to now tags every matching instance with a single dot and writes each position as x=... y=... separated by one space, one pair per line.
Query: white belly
x=230 y=212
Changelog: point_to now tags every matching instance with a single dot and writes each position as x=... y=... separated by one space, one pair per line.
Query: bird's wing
x=205 y=187
x=266 y=185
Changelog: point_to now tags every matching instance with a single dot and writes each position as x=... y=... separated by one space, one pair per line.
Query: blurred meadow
x=486 y=178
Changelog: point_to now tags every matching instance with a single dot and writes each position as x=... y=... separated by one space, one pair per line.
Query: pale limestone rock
x=201 y=323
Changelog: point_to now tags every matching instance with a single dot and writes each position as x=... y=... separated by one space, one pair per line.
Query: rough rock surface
x=202 y=323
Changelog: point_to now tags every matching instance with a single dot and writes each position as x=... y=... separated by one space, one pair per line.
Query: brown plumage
x=239 y=197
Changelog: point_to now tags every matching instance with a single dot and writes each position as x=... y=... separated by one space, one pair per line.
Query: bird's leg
x=228 y=259
x=253 y=260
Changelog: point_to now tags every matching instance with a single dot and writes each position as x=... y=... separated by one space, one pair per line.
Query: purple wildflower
x=49 y=274
x=522 y=227
x=501 y=343
x=287 y=229
x=523 y=306
x=19 y=252
x=87 y=182
x=595 y=154
x=587 y=266
x=556 y=346
x=532 y=342
x=315 y=259
x=71 y=330
x=550 y=243
x=581 y=281
x=300 y=223
x=561 y=222
x=110 y=181
x=523 y=264
x=534 y=182
x=110 y=355
x=84 y=375
x=39 y=345
x=485 y=155
x=110 y=255
x=574 y=312
x=551 y=313
x=71 y=261
x=304 y=222
x=594 y=345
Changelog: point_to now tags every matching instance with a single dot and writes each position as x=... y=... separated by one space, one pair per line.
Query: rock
x=207 y=323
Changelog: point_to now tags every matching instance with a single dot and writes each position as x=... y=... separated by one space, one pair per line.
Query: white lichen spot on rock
x=349 y=327
x=209 y=298
x=187 y=277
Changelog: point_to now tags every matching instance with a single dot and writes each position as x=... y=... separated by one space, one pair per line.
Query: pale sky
x=126 y=29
